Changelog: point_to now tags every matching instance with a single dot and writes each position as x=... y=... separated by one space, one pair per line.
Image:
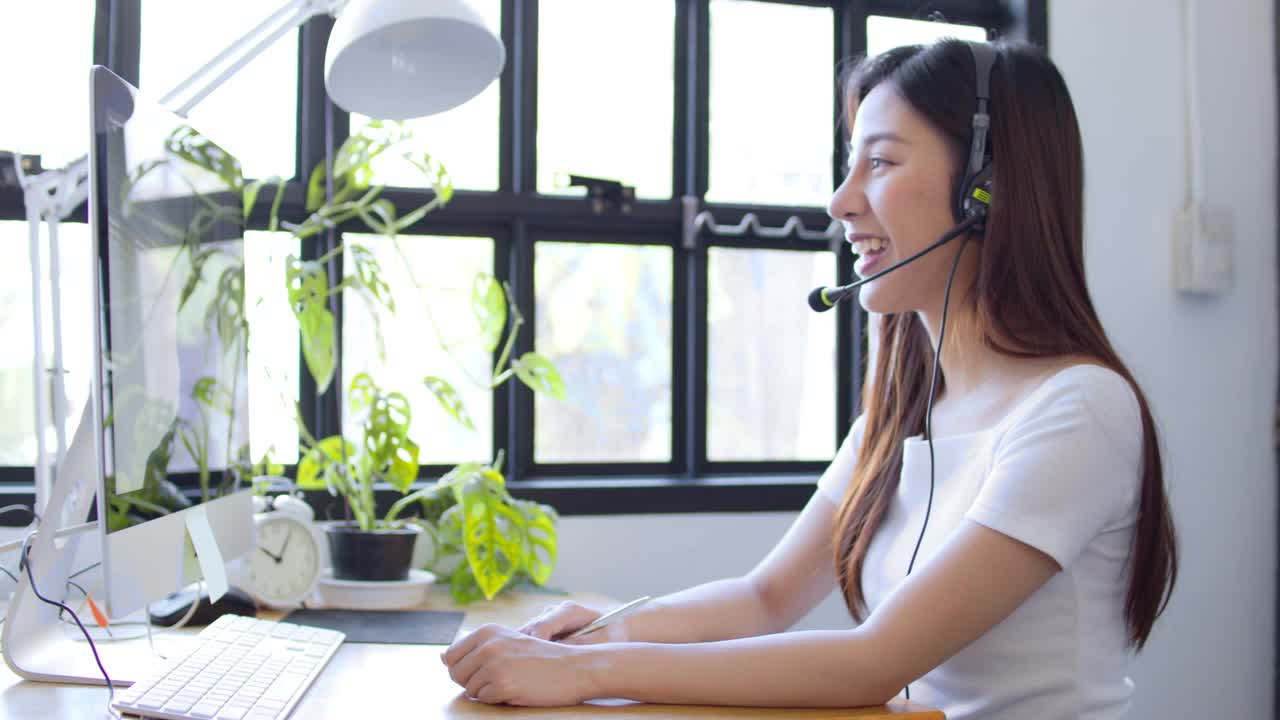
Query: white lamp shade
x=400 y=59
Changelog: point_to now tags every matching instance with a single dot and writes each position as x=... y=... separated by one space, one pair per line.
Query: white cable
x=1194 y=166
x=190 y=611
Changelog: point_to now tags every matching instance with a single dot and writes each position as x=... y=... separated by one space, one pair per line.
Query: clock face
x=285 y=564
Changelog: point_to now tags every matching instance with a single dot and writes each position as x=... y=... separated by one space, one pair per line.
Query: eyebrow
x=877 y=137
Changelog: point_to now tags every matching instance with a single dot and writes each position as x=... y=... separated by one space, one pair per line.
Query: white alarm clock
x=285 y=564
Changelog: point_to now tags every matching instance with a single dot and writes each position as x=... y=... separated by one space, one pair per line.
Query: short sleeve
x=1068 y=469
x=836 y=478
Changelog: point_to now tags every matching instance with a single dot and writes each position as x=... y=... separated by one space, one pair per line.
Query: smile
x=869 y=250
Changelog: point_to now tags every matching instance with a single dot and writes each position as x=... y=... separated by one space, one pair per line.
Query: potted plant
x=468 y=514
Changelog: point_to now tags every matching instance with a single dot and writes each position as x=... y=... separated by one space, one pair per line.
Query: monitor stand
x=37 y=644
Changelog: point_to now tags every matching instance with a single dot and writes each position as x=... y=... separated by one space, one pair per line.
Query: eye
x=875 y=163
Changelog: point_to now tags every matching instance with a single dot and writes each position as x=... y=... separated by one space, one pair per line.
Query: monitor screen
x=168 y=224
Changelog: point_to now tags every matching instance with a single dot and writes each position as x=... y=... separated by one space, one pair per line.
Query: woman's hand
x=498 y=665
x=557 y=621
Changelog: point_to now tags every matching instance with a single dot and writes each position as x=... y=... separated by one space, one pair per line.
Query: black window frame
x=515 y=216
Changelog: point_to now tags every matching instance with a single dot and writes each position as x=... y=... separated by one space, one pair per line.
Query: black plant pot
x=371 y=554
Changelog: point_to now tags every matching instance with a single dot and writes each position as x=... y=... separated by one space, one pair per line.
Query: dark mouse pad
x=411 y=627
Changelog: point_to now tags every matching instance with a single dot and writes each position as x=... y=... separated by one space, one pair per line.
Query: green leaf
x=539 y=374
x=449 y=399
x=198 y=260
x=363 y=392
x=463 y=586
x=253 y=188
x=189 y=145
x=436 y=174
x=489 y=304
x=316 y=188
x=318 y=459
x=275 y=204
x=451 y=527
x=209 y=393
x=227 y=307
x=455 y=478
x=316 y=326
x=250 y=196
x=403 y=470
x=368 y=276
x=492 y=532
x=307 y=282
x=385 y=426
x=308 y=287
x=540 y=539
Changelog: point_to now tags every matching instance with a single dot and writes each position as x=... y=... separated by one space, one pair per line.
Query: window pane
x=884 y=33
x=604 y=320
x=606 y=70
x=465 y=138
x=273 y=347
x=17 y=423
x=254 y=114
x=772 y=116
x=435 y=311
x=771 y=395
x=46 y=53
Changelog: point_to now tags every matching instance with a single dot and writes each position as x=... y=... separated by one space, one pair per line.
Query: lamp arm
x=289 y=17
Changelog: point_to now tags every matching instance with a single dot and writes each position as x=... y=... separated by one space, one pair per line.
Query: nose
x=848 y=201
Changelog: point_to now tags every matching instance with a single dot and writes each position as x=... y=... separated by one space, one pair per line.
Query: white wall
x=625 y=556
x=1208 y=365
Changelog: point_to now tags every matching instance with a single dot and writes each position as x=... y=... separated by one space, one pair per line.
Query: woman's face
x=895 y=201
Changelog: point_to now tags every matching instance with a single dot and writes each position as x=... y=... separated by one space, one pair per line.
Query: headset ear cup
x=975 y=198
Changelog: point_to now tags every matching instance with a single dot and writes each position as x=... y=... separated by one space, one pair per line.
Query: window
x=253 y=115
x=54 y=125
x=46 y=59
x=689 y=359
x=605 y=71
x=884 y=33
x=18 y=442
x=771 y=365
x=273 y=347
x=771 y=112
x=604 y=320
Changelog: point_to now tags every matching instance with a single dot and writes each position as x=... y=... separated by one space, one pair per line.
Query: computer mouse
x=174 y=607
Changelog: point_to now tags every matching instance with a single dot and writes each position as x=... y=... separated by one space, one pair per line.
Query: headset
x=973 y=194
x=974 y=190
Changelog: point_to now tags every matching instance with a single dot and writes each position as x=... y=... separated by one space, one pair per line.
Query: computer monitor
x=166 y=217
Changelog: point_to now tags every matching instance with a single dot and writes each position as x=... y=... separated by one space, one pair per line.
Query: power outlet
x=1202 y=249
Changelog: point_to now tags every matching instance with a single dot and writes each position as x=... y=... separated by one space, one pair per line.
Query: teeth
x=870 y=245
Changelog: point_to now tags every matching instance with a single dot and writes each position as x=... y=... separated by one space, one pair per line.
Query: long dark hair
x=1029 y=294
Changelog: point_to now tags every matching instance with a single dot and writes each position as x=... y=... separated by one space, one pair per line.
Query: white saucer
x=374 y=594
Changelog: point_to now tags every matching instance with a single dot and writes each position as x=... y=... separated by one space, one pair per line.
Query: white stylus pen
x=608 y=618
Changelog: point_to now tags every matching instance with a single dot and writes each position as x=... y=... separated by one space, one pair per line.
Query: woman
x=1007 y=568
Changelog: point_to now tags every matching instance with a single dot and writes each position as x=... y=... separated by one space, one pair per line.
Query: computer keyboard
x=237 y=668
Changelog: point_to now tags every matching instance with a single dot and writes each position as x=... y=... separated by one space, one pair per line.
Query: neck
x=967 y=361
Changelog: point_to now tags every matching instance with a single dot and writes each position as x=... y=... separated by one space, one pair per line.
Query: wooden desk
x=367 y=681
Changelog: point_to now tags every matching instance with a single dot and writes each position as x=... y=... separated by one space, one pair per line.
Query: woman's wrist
x=597 y=665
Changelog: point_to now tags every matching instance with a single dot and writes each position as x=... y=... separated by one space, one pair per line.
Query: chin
x=876 y=299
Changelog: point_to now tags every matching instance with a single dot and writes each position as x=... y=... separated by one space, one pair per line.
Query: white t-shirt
x=1061 y=472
